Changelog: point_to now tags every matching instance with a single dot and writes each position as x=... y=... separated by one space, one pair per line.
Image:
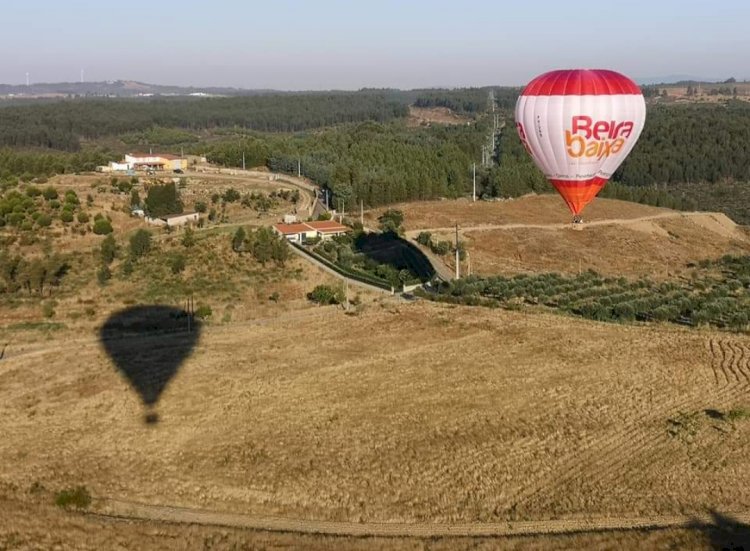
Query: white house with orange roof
x=302 y=231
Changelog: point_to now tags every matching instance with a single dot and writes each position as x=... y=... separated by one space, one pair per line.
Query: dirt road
x=182 y=515
x=515 y=226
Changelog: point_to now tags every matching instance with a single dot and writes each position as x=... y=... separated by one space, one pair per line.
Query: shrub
x=203 y=311
x=66 y=216
x=49 y=193
x=45 y=220
x=201 y=207
x=177 y=263
x=102 y=227
x=231 y=195
x=77 y=497
x=103 y=274
x=188 y=238
x=83 y=218
x=108 y=249
x=140 y=243
x=424 y=238
x=325 y=294
x=48 y=309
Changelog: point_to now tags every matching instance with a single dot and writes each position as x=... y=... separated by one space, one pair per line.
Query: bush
x=78 y=498
x=231 y=195
x=201 y=207
x=66 y=216
x=49 y=193
x=177 y=263
x=108 y=249
x=103 y=274
x=203 y=311
x=45 y=220
x=325 y=294
x=140 y=243
x=188 y=238
x=48 y=309
x=424 y=238
x=83 y=218
x=102 y=227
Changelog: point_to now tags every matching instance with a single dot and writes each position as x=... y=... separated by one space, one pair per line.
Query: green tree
x=188 y=238
x=391 y=220
x=108 y=250
x=102 y=227
x=103 y=274
x=280 y=253
x=177 y=263
x=263 y=245
x=140 y=243
x=135 y=198
x=163 y=200
x=238 y=240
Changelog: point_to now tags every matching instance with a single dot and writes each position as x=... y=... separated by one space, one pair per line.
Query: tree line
x=371 y=162
x=62 y=125
x=691 y=143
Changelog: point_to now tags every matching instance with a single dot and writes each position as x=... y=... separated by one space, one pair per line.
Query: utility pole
x=458 y=266
x=362 y=212
x=474 y=195
x=299 y=168
x=243 y=160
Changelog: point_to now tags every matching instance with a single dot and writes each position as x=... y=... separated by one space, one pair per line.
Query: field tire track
x=599 y=458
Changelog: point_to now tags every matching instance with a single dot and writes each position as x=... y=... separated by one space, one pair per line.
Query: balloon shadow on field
x=148 y=345
x=724 y=532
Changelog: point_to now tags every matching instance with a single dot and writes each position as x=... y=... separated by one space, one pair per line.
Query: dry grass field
x=404 y=413
x=531 y=209
x=533 y=234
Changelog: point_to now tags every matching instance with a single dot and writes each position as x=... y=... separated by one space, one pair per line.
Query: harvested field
x=401 y=414
x=531 y=209
x=654 y=248
x=533 y=234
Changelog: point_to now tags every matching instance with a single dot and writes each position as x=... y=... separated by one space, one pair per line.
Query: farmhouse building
x=155 y=161
x=181 y=219
x=148 y=162
x=302 y=231
x=174 y=220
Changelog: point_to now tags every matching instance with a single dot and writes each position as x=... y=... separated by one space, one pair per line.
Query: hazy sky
x=320 y=44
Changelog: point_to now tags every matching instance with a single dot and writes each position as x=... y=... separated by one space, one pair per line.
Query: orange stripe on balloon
x=578 y=193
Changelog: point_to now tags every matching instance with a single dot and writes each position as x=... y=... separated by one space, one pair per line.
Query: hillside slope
x=534 y=233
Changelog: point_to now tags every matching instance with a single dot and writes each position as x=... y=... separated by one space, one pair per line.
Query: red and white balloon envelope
x=578 y=126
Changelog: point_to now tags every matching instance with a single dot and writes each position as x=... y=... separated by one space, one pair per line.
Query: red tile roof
x=290 y=229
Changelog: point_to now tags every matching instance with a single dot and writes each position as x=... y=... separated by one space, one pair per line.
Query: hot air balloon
x=578 y=126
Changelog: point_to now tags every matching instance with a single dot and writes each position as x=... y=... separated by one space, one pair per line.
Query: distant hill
x=118 y=88
x=683 y=79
